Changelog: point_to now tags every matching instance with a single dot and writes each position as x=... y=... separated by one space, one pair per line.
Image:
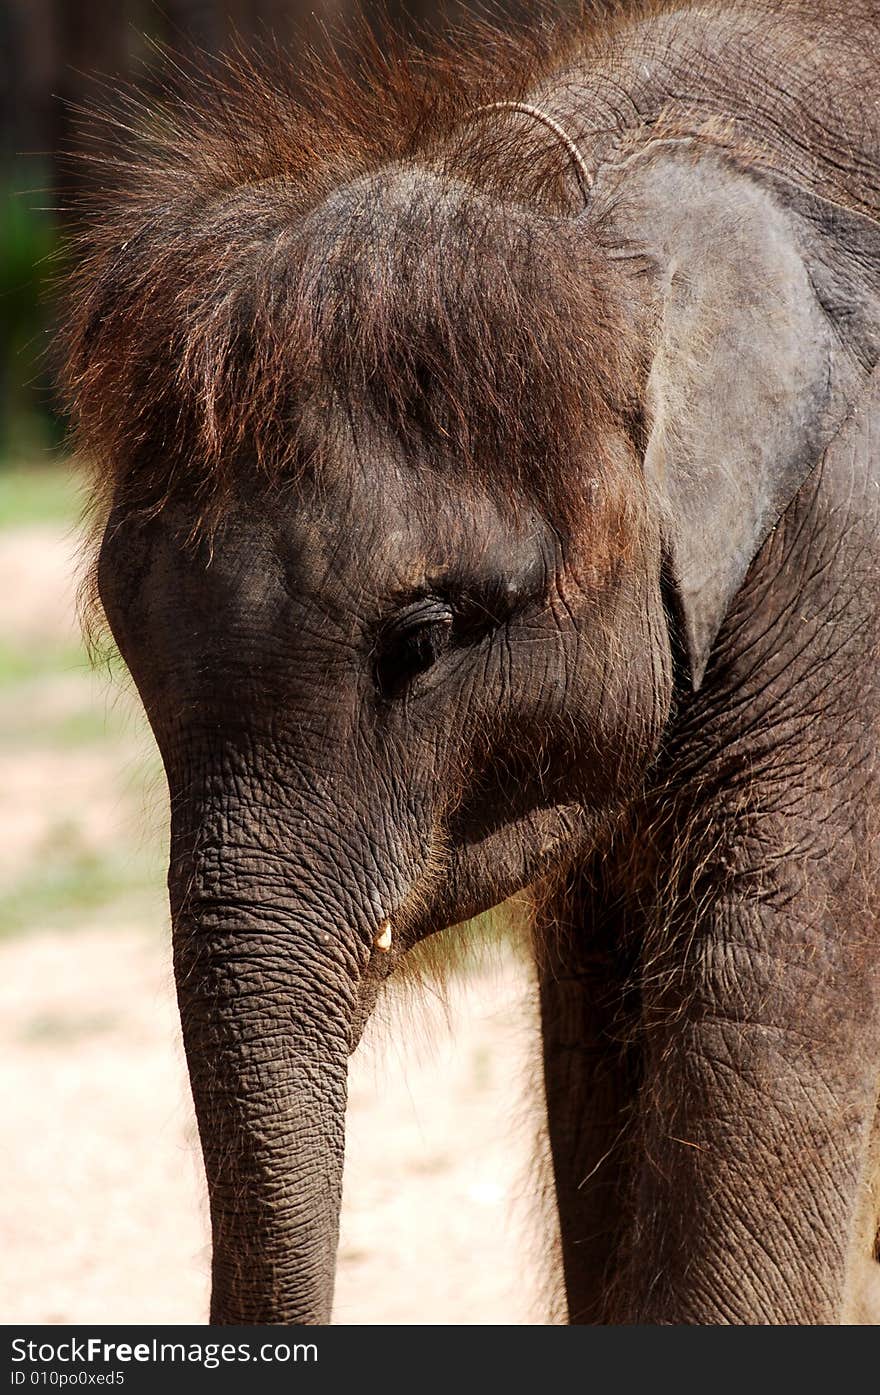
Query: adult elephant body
x=493 y=487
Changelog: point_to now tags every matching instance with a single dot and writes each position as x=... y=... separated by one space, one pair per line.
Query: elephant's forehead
x=393 y=534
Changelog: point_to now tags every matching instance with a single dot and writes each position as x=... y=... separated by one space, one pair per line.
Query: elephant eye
x=411 y=644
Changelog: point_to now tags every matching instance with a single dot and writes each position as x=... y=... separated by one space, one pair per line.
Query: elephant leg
x=590 y=1087
x=761 y=1030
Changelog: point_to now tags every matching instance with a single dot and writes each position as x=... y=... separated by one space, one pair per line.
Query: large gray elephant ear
x=740 y=391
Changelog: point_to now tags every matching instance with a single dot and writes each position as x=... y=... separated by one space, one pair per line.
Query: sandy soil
x=104 y=1217
x=39 y=566
x=103 y=1212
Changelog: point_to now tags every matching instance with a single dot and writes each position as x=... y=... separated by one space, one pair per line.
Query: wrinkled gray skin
x=711 y=1013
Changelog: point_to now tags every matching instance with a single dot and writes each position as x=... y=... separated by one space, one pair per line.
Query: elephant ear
x=740 y=393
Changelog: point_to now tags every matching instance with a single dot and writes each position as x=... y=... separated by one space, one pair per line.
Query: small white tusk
x=382 y=937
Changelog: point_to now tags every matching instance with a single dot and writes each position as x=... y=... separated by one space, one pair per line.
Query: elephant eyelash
x=411 y=644
x=420 y=635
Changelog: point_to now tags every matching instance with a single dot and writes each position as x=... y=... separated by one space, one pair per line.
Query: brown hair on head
x=263 y=262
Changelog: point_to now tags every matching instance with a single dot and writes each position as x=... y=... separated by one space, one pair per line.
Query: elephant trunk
x=266 y=1006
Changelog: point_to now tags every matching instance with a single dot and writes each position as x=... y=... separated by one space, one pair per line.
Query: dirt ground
x=103 y=1216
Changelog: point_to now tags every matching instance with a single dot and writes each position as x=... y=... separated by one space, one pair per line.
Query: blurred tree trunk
x=200 y=22
x=212 y=25
x=29 y=73
x=92 y=50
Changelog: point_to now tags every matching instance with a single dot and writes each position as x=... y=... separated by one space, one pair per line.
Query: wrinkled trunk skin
x=266 y=1030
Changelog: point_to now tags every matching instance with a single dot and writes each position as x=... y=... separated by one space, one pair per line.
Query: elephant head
x=419 y=496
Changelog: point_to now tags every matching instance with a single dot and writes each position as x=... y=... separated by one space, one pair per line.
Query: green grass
x=69 y=881
x=88 y=724
x=31 y=663
x=87 y=706
x=54 y=708
x=55 y=1029
x=39 y=494
x=66 y=880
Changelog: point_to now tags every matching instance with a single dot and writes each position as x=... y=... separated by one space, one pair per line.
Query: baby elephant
x=491 y=480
